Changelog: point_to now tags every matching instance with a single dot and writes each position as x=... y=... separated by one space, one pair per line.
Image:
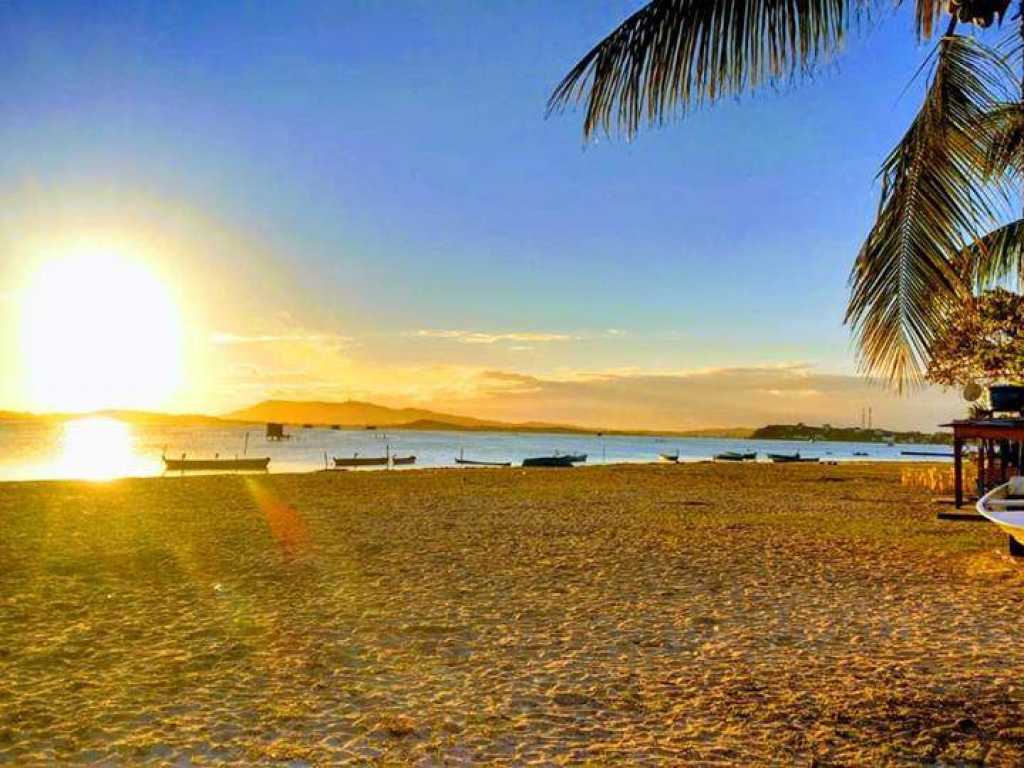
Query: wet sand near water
x=705 y=614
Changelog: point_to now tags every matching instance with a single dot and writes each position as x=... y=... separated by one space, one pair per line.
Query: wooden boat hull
x=471 y=463
x=216 y=465
x=1005 y=509
x=786 y=458
x=374 y=461
x=548 y=461
x=734 y=456
x=361 y=461
x=671 y=458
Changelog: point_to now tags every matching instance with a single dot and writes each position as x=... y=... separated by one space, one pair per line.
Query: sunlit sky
x=364 y=200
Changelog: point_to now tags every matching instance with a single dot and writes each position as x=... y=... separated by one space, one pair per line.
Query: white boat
x=1004 y=506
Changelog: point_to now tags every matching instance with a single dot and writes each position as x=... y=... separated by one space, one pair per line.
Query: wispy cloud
x=736 y=396
x=222 y=338
x=480 y=337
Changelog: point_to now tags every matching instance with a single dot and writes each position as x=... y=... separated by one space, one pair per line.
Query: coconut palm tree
x=945 y=222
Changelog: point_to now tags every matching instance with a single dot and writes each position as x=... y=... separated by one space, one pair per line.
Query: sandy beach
x=701 y=614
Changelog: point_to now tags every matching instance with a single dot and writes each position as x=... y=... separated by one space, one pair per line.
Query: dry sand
x=697 y=615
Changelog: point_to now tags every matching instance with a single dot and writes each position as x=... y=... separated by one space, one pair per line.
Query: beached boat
x=472 y=463
x=460 y=459
x=784 y=458
x=361 y=461
x=1004 y=506
x=735 y=456
x=215 y=464
x=549 y=461
x=669 y=457
x=373 y=461
x=937 y=454
x=577 y=458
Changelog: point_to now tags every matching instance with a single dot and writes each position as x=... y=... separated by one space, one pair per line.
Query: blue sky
x=390 y=166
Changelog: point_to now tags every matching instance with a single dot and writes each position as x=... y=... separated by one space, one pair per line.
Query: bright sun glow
x=99 y=330
x=98 y=448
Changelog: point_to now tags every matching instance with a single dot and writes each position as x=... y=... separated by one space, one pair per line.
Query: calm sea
x=103 y=448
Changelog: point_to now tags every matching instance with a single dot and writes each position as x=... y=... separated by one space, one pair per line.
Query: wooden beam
x=958 y=466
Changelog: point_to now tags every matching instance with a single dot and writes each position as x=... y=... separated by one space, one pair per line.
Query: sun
x=99 y=330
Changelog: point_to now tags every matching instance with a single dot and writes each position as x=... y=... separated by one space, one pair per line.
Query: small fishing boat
x=936 y=454
x=361 y=461
x=400 y=461
x=671 y=458
x=474 y=463
x=861 y=453
x=215 y=464
x=1004 y=506
x=736 y=456
x=784 y=458
x=549 y=461
x=577 y=458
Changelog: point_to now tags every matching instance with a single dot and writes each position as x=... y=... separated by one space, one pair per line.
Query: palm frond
x=996 y=255
x=673 y=56
x=926 y=16
x=1003 y=128
x=936 y=200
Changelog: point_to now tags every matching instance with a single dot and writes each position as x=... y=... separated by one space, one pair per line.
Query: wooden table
x=989 y=433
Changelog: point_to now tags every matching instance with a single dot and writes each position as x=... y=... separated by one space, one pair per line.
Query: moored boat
x=361 y=461
x=472 y=463
x=373 y=461
x=736 y=456
x=671 y=458
x=577 y=458
x=784 y=458
x=548 y=461
x=216 y=464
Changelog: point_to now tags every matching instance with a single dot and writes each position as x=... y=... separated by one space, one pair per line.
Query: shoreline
x=919 y=461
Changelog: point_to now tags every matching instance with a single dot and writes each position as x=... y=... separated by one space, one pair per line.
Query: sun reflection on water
x=97 y=448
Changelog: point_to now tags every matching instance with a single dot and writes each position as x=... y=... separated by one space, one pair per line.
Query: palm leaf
x=936 y=200
x=1004 y=130
x=672 y=56
x=926 y=16
x=996 y=255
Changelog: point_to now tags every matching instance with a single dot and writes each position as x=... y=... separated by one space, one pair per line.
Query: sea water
x=104 y=448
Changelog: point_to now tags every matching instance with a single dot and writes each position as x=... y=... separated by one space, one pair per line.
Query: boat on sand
x=1004 y=506
x=671 y=458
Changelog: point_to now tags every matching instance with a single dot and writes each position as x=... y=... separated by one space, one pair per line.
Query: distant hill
x=353 y=413
x=356 y=414
x=827 y=432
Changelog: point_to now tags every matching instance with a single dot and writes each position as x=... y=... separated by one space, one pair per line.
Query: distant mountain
x=356 y=414
x=353 y=413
